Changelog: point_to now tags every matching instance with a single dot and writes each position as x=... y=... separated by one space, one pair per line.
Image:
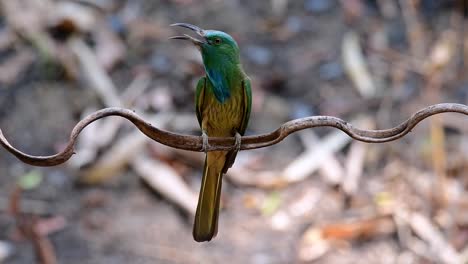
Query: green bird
x=223 y=102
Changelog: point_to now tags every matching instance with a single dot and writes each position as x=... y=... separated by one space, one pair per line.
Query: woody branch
x=194 y=143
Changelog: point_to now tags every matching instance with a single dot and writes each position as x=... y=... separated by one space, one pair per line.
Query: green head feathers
x=219 y=46
x=220 y=54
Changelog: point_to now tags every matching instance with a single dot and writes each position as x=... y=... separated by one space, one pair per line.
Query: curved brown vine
x=194 y=143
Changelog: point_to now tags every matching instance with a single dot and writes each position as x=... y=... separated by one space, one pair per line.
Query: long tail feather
x=206 y=218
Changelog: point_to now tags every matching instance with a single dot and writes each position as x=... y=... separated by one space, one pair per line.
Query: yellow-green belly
x=222 y=119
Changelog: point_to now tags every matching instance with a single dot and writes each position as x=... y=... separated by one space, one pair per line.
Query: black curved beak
x=198 y=30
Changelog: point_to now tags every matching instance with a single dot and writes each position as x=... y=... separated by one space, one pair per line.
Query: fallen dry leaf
x=115 y=159
x=165 y=180
x=442 y=52
x=356 y=66
x=354 y=167
x=331 y=169
x=95 y=73
x=316 y=241
x=72 y=16
x=428 y=232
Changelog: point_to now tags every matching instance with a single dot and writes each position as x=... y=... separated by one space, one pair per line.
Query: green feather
x=223 y=102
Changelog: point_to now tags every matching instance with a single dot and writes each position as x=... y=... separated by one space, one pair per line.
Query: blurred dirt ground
x=315 y=197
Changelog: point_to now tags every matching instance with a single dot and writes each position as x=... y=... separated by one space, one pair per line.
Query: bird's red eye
x=217 y=41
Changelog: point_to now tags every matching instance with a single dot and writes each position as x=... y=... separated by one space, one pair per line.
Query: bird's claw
x=205 y=144
x=238 y=143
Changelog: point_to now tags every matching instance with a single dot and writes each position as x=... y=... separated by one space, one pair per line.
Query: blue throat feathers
x=220 y=85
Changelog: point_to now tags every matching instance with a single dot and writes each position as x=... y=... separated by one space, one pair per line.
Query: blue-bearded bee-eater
x=223 y=103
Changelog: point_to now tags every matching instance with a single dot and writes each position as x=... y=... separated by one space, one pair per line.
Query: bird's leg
x=205 y=143
x=238 y=142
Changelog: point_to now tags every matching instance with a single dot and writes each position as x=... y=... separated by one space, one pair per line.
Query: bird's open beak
x=198 y=30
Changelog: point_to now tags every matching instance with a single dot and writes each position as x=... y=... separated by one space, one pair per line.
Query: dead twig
x=29 y=226
x=194 y=143
x=428 y=232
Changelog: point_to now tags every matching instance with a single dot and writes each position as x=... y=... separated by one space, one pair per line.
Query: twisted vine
x=194 y=143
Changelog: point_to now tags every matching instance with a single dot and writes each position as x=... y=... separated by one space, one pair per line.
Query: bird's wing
x=199 y=96
x=247 y=105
